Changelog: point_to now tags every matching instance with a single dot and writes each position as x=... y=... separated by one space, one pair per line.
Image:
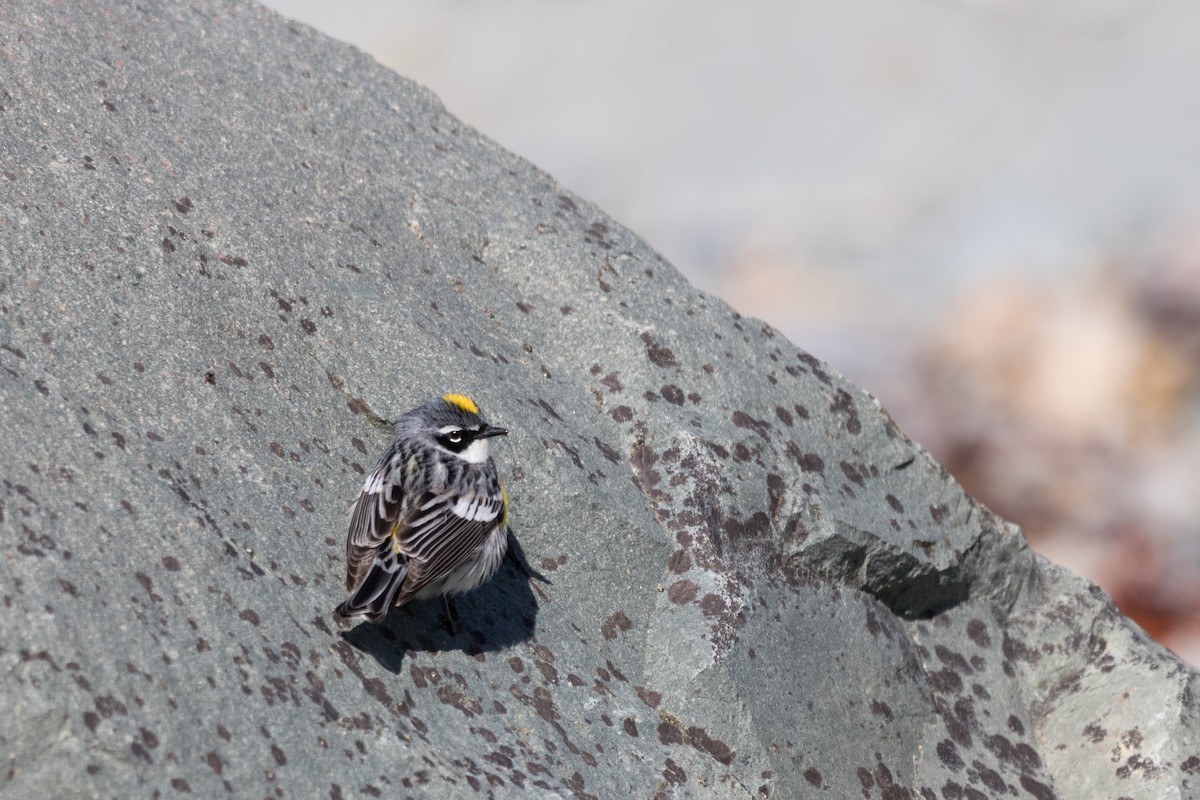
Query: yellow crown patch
x=461 y=401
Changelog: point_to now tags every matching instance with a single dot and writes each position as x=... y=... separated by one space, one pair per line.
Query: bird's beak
x=491 y=431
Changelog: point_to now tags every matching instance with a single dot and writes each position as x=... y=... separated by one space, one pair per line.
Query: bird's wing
x=374 y=516
x=441 y=531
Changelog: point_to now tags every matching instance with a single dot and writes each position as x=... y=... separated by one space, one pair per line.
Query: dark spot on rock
x=1039 y=790
x=1015 y=650
x=814 y=777
x=615 y=623
x=612 y=382
x=1132 y=738
x=141 y=752
x=939 y=512
x=608 y=452
x=948 y=753
x=816 y=366
x=811 y=462
x=659 y=356
x=621 y=414
x=549 y=409
x=673 y=773
x=645 y=477
x=1191 y=766
x=953 y=660
x=990 y=777
x=669 y=734
x=978 y=632
x=525 y=307
x=699 y=739
x=249 y=615
x=183 y=205
x=679 y=562
x=548 y=670
x=844 y=404
x=713 y=605
x=681 y=592
x=630 y=727
x=958 y=722
x=452 y=695
x=171 y=564
x=571 y=452
x=894 y=503
x=1021 y=756
x=648 y=696
x=852 y=472
x=672 y=394
x=1015 y=725
x=775 y=493
x=309 y=326
x=882 y=709
x=744 y=420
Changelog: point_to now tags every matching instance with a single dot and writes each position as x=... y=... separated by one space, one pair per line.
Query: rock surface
x=228 y=246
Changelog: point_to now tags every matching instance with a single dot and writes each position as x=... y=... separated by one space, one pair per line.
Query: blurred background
x=985 y=212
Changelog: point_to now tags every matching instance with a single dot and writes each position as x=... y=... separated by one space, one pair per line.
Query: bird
x=432 y=518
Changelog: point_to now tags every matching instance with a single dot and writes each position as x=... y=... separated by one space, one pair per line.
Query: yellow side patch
x=395 y=539
x=504 y=509
x=461 y=401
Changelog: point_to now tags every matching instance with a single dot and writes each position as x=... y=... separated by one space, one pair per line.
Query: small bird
x=432 y=518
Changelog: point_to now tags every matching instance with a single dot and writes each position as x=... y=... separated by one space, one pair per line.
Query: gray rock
x=229 y=247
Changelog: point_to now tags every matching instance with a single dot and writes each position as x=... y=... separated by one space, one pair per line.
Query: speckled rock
x=229 y=247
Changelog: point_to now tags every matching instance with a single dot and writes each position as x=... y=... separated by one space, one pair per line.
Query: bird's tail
x=372 y=598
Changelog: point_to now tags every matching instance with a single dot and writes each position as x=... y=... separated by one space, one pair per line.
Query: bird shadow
x=497 y=615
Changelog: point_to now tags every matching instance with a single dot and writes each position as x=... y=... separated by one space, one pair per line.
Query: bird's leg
x=451 y=623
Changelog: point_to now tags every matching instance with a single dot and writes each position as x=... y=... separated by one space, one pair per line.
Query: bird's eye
x=454 y=436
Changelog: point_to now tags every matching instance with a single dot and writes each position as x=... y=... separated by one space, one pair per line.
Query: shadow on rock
x=497 y=615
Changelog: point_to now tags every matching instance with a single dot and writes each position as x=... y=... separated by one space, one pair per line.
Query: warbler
x=432 y=518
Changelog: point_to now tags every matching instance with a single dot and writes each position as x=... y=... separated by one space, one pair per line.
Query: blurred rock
x=1072 y=409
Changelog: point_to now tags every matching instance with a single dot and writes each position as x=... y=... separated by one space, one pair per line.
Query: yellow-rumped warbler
x=432 y=519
